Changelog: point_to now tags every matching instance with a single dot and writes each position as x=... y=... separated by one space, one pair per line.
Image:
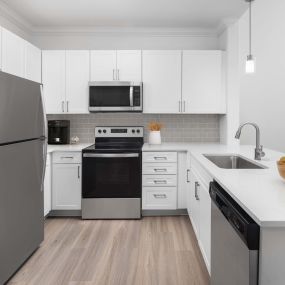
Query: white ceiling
x=126 y=13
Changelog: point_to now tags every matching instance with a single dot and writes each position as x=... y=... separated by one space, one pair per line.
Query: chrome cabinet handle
x=160 y=181
x=67 y=157
x=196 y=190
x=159 y=196
x=114 y=74
x=184 y=103
x=160 y=169
x=188 y=171
x=118 y=74
x=62 y=106
x=160 y=158
x=67 y=106
x=78 y=172
x=180 y=106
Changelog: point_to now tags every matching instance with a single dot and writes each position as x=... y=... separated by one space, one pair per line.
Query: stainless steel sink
x=233 y=162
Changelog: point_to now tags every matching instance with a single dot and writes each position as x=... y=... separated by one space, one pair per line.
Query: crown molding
x=224 y=24
x=124 y=31
x=15 y=18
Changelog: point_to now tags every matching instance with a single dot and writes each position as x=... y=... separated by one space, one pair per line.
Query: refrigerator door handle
x=44 y=139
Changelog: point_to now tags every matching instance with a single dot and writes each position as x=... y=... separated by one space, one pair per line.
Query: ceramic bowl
x=281 y=169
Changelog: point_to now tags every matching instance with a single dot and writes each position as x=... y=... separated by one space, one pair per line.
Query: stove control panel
x=119 y=132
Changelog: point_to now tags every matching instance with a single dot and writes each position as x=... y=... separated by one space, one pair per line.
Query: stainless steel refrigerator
x=22 y=166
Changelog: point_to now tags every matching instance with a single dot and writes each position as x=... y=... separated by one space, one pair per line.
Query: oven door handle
x=110 y=155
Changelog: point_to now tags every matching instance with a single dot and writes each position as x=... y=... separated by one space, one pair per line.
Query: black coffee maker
x=58 y=132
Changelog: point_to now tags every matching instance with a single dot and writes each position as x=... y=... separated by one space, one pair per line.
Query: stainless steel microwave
x=115 y=96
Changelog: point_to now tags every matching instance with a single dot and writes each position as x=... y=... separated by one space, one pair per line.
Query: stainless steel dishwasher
x=234 y=241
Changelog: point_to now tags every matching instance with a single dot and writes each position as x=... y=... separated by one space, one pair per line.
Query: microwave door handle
x=131 y=96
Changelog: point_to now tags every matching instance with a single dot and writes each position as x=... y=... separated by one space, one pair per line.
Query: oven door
x=116 y=96
x=111 y=175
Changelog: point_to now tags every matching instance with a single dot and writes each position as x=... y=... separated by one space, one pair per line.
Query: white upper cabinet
x=53 y=73
x=202 y=82
x=109 y=65
x=65 y=80
x=103 y=65
x=77 y=78
x=129 y=65
x=13 y=54
x=162 y=81
x=33 y=63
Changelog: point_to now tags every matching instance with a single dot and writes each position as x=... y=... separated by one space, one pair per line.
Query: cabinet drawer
x=66 y=157
x=159 y=180
x=154 y=198
x=160 y=168
x=160 y=157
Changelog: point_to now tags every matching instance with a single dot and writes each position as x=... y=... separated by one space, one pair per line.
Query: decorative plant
x=155 y=126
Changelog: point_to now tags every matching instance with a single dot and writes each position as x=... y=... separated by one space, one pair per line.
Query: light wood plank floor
x=151 y=251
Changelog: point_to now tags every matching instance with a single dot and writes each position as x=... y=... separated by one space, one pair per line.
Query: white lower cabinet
x=66 y=181
x=47 y=187
x=164 y=180
x=199 y=209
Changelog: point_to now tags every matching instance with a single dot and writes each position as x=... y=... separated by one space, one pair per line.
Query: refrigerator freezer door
x=21 y=204
x=21 y=109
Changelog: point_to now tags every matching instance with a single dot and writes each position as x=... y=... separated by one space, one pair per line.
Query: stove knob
x=104 y=131
x=138 y=131
x=133 y=131
x=99 y=131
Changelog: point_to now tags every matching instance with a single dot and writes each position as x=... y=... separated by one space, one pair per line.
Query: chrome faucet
x=259 y=153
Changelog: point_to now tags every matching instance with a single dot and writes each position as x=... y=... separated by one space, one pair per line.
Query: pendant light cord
x=250 y=27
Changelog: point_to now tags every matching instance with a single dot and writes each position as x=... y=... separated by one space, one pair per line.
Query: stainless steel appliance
x=111 y=174
x=234 y=241
x=59 y=132
x=115 y=96
x=22 y=166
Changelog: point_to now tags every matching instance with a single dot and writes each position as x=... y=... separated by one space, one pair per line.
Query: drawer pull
x=160 y=170
x=160 y=158
x=160 y=181
x=159 y=196
x=67 y=157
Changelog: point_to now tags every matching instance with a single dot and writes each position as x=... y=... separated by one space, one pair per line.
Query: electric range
x=112 y=174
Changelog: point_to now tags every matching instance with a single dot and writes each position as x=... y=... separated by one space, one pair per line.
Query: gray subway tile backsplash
x=176 y=128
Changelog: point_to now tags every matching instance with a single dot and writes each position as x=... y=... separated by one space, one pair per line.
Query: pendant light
x=250 y=62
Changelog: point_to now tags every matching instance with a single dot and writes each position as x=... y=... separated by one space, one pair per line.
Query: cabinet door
x=66 y=186
x=103 y=65
x=182 y=180
x=53 y=73
x=77 y=78
x=162 y=81
x=194 y=204
x=33 y=63
x=13 y=54
x=205 y=223
x=202 y=89
x=47 y=190
x=129 y=65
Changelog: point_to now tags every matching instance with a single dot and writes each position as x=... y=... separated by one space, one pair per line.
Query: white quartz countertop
x=260 y=192
x=67 y=147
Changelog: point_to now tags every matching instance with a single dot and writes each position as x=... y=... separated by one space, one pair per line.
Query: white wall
x=228 y=41
x=123 y=41
x=262 y=95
